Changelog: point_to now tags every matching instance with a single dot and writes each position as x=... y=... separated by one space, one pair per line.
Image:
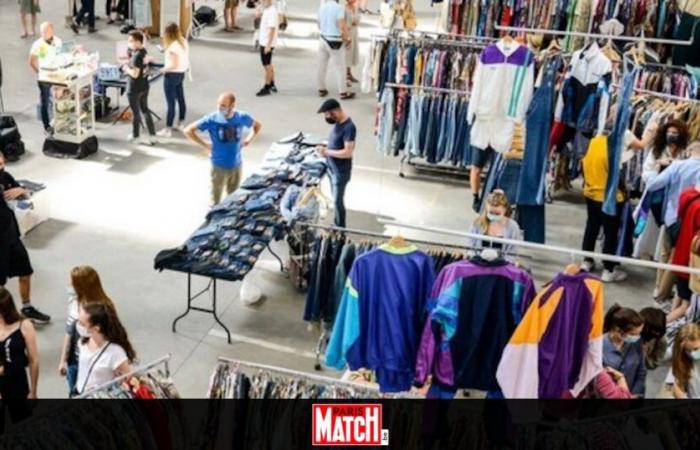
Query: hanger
x=489 y=254
x=398 y=241
x=572 y=268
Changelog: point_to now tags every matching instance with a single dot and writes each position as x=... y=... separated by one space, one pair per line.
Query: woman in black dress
x=18 y=352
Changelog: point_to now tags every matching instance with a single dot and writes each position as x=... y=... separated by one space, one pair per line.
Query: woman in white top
x=104 y=348
x=669 y=143
x=177 y=63
x=686 y=362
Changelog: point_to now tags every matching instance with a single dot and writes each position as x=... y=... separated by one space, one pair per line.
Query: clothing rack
x=661 y=95
x=663 y=66
x=593 y=35
x=547 y=248
x=296 y=374
x=426 y=88
x=427 y=40
x=164 y=360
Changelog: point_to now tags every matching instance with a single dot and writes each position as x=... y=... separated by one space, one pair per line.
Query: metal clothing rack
x=164 y=360
x=593 y=35
x=547 y=248
x=427 y=40
x=661 y=95
x=296 y=374
x=426 y=88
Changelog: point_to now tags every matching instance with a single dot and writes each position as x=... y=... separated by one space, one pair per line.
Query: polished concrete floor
x=118 y=208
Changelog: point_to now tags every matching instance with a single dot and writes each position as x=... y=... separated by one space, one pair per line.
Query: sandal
x=347 y=95
x=352 y=79
x=322 y=92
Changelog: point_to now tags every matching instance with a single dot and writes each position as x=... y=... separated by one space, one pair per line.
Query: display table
x=31 y=212
x=154 y=74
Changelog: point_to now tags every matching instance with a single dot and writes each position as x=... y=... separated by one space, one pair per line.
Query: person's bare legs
x=25 y=289
x=33 y=24
x=227 y=18
x=234 y=11
x=24 y=24
x=269 y=75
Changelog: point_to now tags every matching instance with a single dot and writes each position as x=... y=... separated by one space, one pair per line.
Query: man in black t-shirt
x=338 y=153
x=137 y=88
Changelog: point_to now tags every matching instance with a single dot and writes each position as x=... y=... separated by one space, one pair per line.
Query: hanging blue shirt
x=677 y=177
x=381 y=315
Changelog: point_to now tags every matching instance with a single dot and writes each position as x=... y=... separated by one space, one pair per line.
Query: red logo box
x=341 y=424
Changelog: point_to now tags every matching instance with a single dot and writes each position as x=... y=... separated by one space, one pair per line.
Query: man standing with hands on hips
x=338 y=154
x=225 y=128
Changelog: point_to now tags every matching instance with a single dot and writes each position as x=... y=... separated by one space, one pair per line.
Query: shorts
x=481 y=157
x=683 y=288
x=231 y=3
x=266 y=58
x=29 y=7
x=19 y=265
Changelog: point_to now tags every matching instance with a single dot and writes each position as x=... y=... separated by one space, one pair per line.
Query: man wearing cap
x=338 y=154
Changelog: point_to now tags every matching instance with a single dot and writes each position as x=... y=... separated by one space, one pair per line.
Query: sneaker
x=92 y=30
x=131 y=138
x=165 y=132
x=273 y=88
x=179 y=125
x=35 y=315
x=614 y=276
x=48 y=132
x=74 y=27
x=150 y=140
x=263 y=92
x=588 y=266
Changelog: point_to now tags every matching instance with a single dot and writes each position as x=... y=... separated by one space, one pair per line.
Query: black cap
x=329 y=105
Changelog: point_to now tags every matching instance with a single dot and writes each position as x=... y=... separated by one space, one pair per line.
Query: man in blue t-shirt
x=225 y=128
x=338 y=153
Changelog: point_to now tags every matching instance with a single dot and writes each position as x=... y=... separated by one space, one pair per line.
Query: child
x=686 y=362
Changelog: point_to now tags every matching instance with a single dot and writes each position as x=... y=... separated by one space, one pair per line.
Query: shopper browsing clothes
x=137 y=88
x=104 y=348
x=334 y=36
x=338 y=154
x=495 y=222
x=225 y=128
x=269 y=29
x=177 y=63
x=19 y=353
x=85 y=288
x=31 y=8
x=14 y=261
x=686 y=362
x=622 y=347
x=42 y=50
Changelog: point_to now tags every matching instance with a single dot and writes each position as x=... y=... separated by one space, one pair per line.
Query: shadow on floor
x=40 y=237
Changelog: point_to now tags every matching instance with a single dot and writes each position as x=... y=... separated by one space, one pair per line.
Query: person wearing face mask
x=679 y=176
x=496 y=222
x=18 y=351
x=13 y=191
x=670 y=140
x=686 y=362
x=137 y=89
x=85 y=288
x=338 y=153
x=104 y=347
x=622 y=347
x=225 y=128
x=42 y=51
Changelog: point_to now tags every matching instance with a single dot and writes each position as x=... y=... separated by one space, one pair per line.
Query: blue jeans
x=174 y=91
x=87 y=9
x=71 y=376
x=339 y=182
x=45 y=99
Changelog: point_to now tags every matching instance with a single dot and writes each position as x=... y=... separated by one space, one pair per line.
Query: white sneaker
x=588 y=266
x=165 y=132
x=150 y=140
x=614 y=276
x=179 y=126
x=130 y=138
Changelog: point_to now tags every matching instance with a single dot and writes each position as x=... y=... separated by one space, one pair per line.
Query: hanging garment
x=478 y=305
x=381 y=315
x=503 y=85
x=584 y=98
x=558 y=346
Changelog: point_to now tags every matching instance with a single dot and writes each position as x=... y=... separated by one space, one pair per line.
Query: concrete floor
x=118 y=208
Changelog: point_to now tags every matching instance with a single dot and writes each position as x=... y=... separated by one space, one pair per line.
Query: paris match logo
x=338 y=424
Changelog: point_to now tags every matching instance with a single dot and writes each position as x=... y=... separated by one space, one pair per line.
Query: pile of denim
x=237 y=230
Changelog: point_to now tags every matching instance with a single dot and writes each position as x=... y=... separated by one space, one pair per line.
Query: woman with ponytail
x=104 y=348
x=622 y=347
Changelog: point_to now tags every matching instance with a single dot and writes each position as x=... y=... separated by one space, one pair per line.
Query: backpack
x=205 y=15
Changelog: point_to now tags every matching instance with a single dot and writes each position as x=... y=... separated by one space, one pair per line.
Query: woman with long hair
x=85 y=288
x=18 y=351
x=177 y=63
x=686 y=362
x=104 y=348
x=495 y=222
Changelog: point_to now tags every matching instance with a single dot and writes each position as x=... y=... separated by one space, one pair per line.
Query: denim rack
x=235 y=232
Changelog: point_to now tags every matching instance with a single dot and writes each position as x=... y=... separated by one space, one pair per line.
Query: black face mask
x=672 y=139
x=49 y=41
x=331 y=121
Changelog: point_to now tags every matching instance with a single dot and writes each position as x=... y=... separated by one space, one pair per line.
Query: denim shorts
x=481 y=157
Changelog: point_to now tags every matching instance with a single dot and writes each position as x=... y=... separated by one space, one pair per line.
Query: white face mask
x=82 y=331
